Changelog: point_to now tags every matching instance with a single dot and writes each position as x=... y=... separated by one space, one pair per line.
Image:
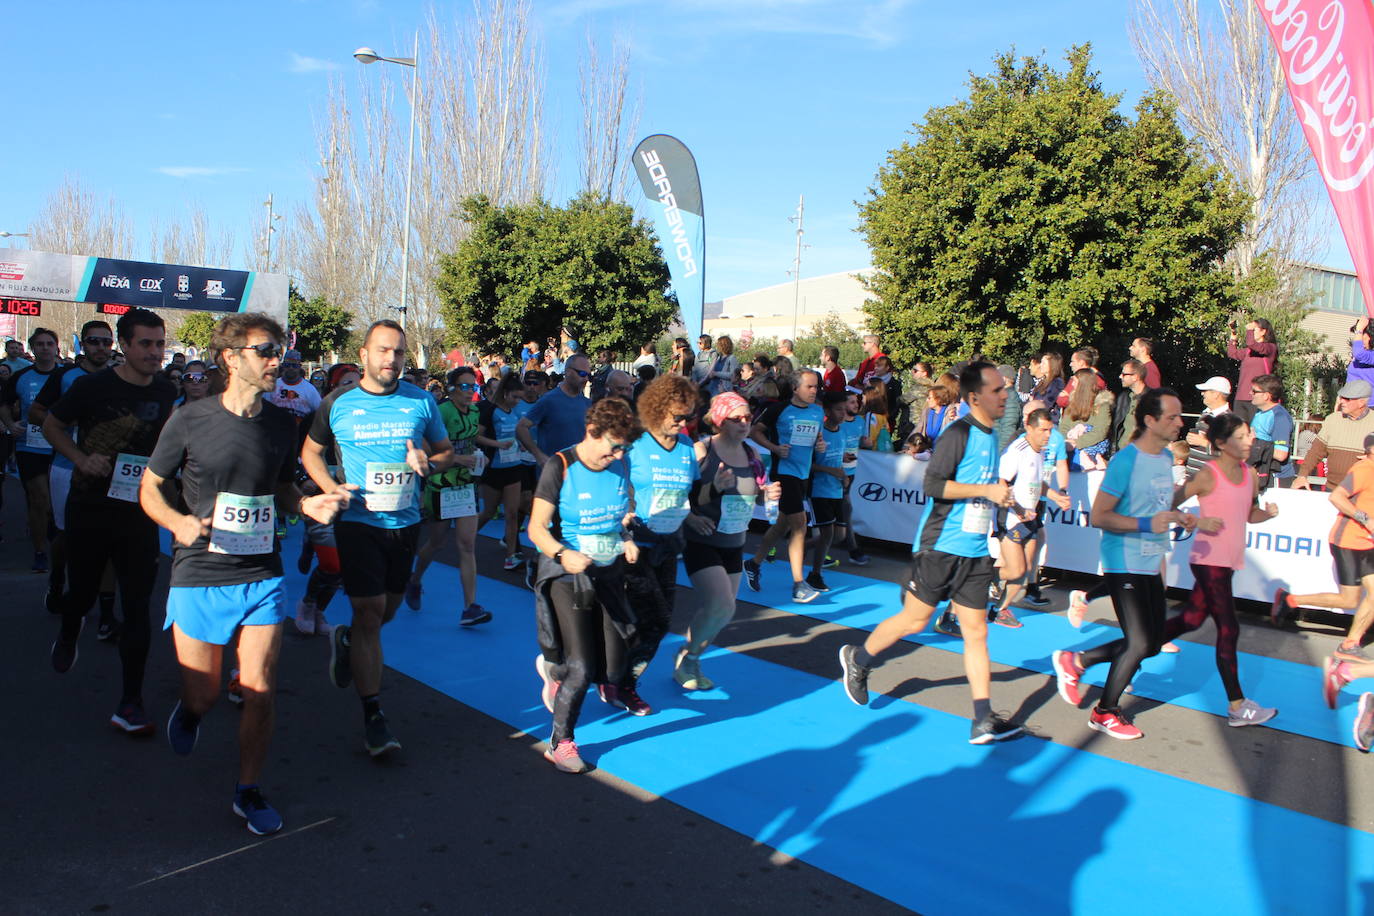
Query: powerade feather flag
x=668 y=174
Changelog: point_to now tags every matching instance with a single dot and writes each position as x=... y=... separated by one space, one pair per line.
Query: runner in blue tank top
x=853 y=427
x=32 y=453
x=950 y=557
x=827 y=485
x=388 y=435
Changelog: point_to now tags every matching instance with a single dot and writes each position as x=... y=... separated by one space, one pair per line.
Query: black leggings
x=652 y=590
x=1139 y=603
x=592 y=652
x=1211 y=597
x=130 y=543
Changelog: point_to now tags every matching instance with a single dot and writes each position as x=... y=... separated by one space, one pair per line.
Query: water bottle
x=770 y=505
x=481 y=463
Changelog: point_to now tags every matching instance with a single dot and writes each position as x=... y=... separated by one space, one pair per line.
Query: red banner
x=1327 y=51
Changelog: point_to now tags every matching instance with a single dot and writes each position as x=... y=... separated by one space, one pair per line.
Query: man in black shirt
x=237 y=458
x=118 y=414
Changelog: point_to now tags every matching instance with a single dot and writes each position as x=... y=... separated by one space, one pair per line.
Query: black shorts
x=827 y=510
x=697 y=556
x=936 y=576
x=375 y=561
x=500 y=478
x=1009 y=525
x=1352 y=565
x=792 y=501
x=32 y=465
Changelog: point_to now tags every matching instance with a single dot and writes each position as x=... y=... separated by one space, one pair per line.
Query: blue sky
x=160 y=103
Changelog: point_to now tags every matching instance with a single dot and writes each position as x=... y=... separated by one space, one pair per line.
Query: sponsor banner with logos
x=1290 y=551
x=668 y=174
x=120 y=282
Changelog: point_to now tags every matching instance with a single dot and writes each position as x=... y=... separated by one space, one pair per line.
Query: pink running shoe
x=1333 y=679
x=1078 y=605
x=1114 y=723
x=1068 y=671
x=550 y=688
x=566 y=758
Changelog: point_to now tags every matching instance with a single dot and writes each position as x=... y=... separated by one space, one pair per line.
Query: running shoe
x=474 y=614
x=638 y=668
x=855 y=676
x=378 y=738
x=830 y=562
x=1170 y=648
x=1067 y=672
x=413 y=591
x=550 y=688
x=948 y=624
x=565 y=756
x=305 y=617
x=1354 y=653
x=1113 y=722
x=261 y=817
x=1364 y=722
x=340 y=668
x=992 y=728
x=687 y=673
x=64 y=653
x=626 y=698
x=815 y=581
x=1078 y=606
x=1250 y=713
x=1005 y=618
x=1333 y=679
x=234 y=692
x=772 y=554
x=512 y=562
x=858 y=558
x=322 y=625
x=1279 y=610
x=130 y=719
x=182 y=730
x=53 y=599
x=107 y=630
x=40 y=562
x=803 y=593
x=1033 y=598
x=753 y=575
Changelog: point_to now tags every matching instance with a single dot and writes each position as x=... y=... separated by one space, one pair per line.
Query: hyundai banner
x=668 y=174
x=1326 y=51
x=75 y=278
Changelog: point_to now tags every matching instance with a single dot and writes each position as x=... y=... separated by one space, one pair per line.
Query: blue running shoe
x=182 y=730
x=262 y=818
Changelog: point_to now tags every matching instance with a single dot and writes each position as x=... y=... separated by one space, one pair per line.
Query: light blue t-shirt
x=798 y=428
x=1056 y=450
x=828 y=486
x=25 y=385
x=1144 y=485
x=559 y=420
x=591 y=505
x=662 y=479
x=853 y=430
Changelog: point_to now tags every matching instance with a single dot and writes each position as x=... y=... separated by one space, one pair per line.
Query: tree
x=525 y=270
x=1034 y=211
x=197 y=328
x=320 y=328
x=609 y=121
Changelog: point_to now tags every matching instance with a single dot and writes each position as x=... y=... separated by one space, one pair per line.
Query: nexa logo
x=671 y=213
x=873 y=492
x=112 y=282
x=150 y=286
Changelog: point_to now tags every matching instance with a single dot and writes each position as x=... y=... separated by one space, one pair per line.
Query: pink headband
x=725 y=404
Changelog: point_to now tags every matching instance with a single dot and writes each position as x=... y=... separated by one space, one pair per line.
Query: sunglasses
x=268 y=350
x=681 y=417
x=98 y=341
x=620 y=449
x=468 y=386
x=193 y=377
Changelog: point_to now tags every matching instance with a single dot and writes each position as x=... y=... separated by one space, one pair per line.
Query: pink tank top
x=1231 y=502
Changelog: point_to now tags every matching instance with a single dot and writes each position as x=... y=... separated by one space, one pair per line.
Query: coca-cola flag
x=1327 y=51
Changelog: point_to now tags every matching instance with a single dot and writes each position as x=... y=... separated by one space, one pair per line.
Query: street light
x=369 y=56
x=14 y=235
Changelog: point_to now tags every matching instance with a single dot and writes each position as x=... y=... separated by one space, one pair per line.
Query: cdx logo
x=150 y=286
x=873 y=492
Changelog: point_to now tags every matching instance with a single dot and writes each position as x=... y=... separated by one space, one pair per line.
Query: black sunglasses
x=620 y=449
x=268 y=350
x=681 y=417
x=193 y=377
x=98 y=341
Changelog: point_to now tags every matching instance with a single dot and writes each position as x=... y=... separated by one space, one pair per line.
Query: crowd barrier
x=1288 y=551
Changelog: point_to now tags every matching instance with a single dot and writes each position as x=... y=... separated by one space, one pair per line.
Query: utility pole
x=267 y=236
x=796 y=262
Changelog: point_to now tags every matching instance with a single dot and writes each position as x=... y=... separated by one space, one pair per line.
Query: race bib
x=1152 y=545
x=667 y=509
x=457 y=502
x=390 y=486
x=34 y=438
x=977 y=516
x=511 y=455
x=242 y=525
x=804 y=433
x=128 y=474
x=601 y=549
x=735 y=513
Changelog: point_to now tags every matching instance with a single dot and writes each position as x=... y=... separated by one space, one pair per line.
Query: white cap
x=1216 y=383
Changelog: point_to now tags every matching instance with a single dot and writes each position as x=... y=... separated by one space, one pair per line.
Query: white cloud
x=302 y=64
x=195 y=171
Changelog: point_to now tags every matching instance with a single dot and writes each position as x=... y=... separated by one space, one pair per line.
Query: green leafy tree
x=320 y=328
x=197 y=328
x=526 y=270
x=1035 y=212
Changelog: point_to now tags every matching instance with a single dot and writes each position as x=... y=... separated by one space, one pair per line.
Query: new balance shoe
x=1067 y=672
x=1078 y=606
x=992 y=728
x=626 y=698
x=340 y=665
x=855 y=677
x=1250 y=713
x=1364 y=722
x=1005 y=618
x=1333 y=679
x=803 y=593
x=564 y=755
x=549 y=691
x=413 y=593
x=108 y=629
x=1355 y=653
x=182 y=730
x=687 y=673
x=1113 y=722
x=130 y=719
x=474 y=614
x=753 y=575
x=815 y=581
x=377 y=736
x=262 y=819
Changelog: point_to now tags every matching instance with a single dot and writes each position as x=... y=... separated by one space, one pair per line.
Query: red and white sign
x=1326 y=48
x=11 y=270
x=9 y=326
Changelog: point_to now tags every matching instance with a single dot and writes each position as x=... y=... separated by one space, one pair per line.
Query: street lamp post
x=14 y=235
x=368 y=56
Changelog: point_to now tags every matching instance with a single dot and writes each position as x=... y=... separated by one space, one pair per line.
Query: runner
x=1352 y=552
x=558 y=417
x=853 y=427
x=1134 y=509
x=663 y=468
x=950 y=557
x=508 y=480
x=1019 y=526
x=828 y=484
x=118 y=414
x=33 y=453
x=388 y=434
x=450 y=498
x=577 y=523
x=791 y=433
x=1228 y=491
x=723 y=499
x=236 y=456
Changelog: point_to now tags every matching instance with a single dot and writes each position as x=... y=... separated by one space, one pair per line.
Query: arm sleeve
x=170 y=451
x=944 y=461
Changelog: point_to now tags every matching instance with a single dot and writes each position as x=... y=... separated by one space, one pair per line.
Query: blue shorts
x=214 y=613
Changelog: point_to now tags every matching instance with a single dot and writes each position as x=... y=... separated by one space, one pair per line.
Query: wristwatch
x=558 y=557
